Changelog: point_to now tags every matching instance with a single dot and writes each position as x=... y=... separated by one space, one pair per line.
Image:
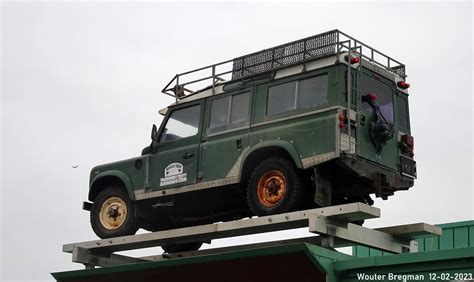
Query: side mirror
x=154 y=139
x=154 y=133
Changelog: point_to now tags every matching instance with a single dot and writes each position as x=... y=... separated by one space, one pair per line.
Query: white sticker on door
x=173 y=174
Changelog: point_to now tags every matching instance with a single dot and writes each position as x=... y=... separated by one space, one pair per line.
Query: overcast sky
x=81 y=86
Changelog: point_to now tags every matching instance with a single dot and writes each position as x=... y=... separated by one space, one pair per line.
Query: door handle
x=187 y=155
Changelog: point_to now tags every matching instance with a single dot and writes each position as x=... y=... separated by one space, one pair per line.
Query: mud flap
x=383 y=183
x=323 y=190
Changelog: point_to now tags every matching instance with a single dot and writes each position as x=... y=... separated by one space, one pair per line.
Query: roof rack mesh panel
x=400 y=70
x=314 y=47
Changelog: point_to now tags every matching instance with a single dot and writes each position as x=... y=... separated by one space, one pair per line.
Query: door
x=226 y=138
x=175 y=161
x=383 y=93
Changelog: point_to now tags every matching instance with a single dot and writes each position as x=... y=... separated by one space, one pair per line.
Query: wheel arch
x=266 y=150
x=108 y=178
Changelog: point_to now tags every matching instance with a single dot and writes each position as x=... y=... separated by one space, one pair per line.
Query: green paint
x=206 y=140
x=455 y=235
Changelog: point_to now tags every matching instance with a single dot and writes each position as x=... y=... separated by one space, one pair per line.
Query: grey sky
x=81 y=86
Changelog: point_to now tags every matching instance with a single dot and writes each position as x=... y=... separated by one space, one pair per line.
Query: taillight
x=409 y=141
x=403 y=85
x=341 y=120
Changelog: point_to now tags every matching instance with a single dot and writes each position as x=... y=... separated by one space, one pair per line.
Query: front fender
x=110 y=176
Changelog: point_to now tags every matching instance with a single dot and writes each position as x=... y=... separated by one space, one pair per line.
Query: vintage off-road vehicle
x=269 y=132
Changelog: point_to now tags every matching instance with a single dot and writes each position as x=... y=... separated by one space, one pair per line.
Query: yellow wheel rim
x=113 y=213
x=271 y=188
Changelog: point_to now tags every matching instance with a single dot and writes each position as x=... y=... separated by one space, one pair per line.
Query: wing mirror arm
x=154 y=138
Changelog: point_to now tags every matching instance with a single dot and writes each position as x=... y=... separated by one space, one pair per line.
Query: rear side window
x=371 y=85
x=230 y=111
x=281 y=98
x=310 y=92
x=402 y=113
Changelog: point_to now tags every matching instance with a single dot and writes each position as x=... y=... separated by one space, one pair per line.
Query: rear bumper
x=381 y=181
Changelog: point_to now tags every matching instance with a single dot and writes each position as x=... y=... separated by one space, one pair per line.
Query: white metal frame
x=332 y=225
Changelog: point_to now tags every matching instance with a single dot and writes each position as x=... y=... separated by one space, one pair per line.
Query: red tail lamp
x=410 y=142
x=341 y=117
x=341 y=120
x=403 y=85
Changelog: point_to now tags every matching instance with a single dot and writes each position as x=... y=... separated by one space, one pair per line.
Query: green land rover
x=269 y=132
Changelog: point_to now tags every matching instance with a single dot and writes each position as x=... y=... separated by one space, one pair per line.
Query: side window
x=219 y=112
x=182 y=123
x=313 y=91
x=281 y=98
x=310 y=92
x=229 y=111
x=402 y=113
x=239 y=110
x=384 y=95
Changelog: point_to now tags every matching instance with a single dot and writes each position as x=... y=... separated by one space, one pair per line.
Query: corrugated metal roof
x=455 y=235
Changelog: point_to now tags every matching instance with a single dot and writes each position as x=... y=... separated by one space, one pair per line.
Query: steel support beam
x=205 y=233
x=360 y=235
x=333 y=224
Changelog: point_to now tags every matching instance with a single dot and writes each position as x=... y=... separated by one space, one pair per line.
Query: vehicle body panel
x=300 y=113
x=133 y=174
x=223 y=146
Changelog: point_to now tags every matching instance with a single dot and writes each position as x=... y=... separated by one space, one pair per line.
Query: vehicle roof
x=285 y=72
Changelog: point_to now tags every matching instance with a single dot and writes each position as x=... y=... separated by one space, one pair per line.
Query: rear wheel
x=113 y=214
x=276 y=186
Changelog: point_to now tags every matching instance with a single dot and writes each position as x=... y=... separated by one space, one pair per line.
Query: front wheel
x=113 y=214
x=276 y=186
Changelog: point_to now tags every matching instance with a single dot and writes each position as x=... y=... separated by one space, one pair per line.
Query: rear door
x=175 y=162
x=384 y=91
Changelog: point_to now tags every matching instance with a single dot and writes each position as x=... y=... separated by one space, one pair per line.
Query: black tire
x=123 y=211
x=184 y=247
x=275 y=172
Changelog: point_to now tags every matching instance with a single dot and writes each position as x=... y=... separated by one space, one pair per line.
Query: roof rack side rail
x=390 y=64
x=311 y=48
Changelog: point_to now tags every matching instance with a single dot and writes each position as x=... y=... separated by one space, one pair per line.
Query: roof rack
x=312 y=48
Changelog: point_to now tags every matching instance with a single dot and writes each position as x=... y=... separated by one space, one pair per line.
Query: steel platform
x=331 y=225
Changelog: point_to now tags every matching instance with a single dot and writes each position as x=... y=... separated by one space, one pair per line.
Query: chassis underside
x=341 y=180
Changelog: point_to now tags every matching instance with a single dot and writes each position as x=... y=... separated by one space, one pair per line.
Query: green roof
x=455 y=235
x=451 y=254
x=315 y=259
